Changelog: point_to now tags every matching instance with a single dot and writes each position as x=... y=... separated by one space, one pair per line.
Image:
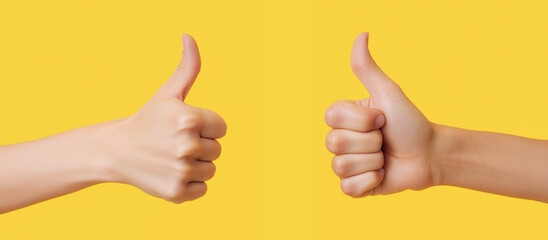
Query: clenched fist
x=167 y=147
x=382 y=144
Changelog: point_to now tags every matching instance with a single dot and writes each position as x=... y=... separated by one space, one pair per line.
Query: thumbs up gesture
x=166 y=148
x=382 y=144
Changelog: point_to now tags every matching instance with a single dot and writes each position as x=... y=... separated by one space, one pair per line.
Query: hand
x=383 y=143
x=166 y=148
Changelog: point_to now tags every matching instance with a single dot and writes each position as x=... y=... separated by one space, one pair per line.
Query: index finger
x=213 y=124
x=348 y=115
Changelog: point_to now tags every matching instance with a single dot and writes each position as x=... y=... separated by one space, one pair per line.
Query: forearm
x=491 y=162
x=38 y=170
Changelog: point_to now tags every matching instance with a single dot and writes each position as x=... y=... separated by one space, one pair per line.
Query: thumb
x=380 y=86
x=184 y=76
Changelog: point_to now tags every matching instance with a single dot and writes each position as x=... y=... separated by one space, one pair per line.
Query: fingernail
x=379 y=122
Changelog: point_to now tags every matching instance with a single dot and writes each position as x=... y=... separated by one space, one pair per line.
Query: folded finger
x=358 y=185
x=346 y=114
x=342 y=141
x=352 y=164
x=213 y=124
x=210 y=149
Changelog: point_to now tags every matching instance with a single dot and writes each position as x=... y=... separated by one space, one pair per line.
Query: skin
x=166 y=149
x=384 y=145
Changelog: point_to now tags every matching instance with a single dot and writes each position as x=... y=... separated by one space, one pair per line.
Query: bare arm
x=492 y=162
x=38 y=170
x=166 y=149
x=384 y=145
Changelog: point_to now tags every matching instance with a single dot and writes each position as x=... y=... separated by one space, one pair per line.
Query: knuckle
x=339 y=165
x=219 y=123
x=211 y=168
x=183 y=171
x=177 y=200
x=202 y=190
x=188 y=66
x=333 y=114
x=179 y=166
x=349 y=188
x=217 y=148
x=334 y=142
x=174 y=193
x=198 y=190
x=190 y=149
x=188 y=121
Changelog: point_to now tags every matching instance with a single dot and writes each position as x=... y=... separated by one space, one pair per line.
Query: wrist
x=103 y=139
x=449 y=151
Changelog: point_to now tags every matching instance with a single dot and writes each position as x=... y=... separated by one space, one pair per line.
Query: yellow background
x=271 y=68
